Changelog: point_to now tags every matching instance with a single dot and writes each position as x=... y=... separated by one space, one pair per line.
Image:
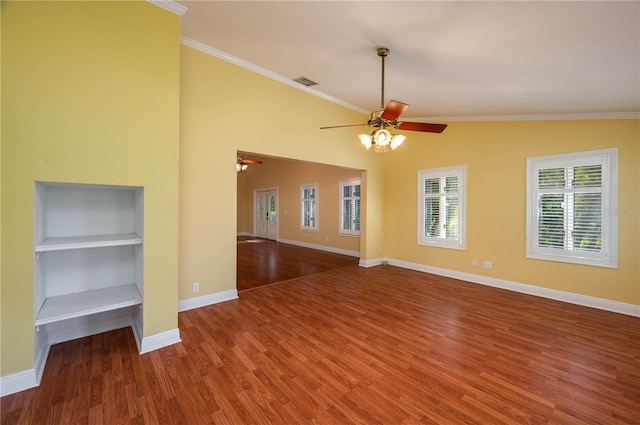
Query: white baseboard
x=136 y=327
x=79 y=328
x=205 y=300
x=245 y=234
x=568 y=297
x=41 y=361
x=18 y=382
x=371 y=263
x=163 y=339
x=321 y=247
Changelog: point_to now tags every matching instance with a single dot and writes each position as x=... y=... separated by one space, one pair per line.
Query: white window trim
x=461 y=172
x=315 y=227
x=608 y=256
x=343 y=183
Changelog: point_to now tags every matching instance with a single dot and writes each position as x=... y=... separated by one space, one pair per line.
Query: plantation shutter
x=441 y=207
x=570 y=208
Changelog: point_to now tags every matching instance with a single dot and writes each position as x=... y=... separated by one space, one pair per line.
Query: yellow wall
x=225 y=109
x=90 y=94
x=495 y=154
x=287 y=176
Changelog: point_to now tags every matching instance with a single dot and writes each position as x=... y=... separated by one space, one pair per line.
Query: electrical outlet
x=474 y=262
x=486 y=264
x=196 y=287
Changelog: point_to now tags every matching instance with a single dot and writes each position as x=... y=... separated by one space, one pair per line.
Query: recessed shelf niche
x=88 y=261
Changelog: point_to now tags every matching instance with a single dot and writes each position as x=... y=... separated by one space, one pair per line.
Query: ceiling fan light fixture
x=381 y=137
x=365 y=139
x=396 y=141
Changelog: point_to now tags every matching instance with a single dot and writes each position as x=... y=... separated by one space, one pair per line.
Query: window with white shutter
x=571 y=204
x=350 y=207
x=441 y=207
x=309 y=207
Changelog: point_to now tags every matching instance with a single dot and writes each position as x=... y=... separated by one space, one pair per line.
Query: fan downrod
x=383 y=52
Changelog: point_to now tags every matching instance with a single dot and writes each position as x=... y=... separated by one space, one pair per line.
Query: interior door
x=272 y=216
x=266 y=214
x=261 y=214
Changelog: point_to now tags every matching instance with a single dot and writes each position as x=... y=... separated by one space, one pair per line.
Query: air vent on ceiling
x=305 y=81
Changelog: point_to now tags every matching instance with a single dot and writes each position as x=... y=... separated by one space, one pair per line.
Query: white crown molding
x=171 y=6
x=262 y=71
x=568 y=297
x=524 y=117
x=205 y=300
x=537 y=117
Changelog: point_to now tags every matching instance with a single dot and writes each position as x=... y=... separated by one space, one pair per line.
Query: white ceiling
x=449 y=59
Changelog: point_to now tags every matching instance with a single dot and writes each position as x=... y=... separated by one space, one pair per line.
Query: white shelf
x=93 y=241
x=80 y=304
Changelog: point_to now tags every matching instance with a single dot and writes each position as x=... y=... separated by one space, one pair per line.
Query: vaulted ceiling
x=449 y=59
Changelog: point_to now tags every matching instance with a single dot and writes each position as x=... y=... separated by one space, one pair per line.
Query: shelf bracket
x=38 y=328
x=37 y=255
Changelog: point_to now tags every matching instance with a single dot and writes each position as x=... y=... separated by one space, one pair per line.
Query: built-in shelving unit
x=91 y=241
x=88 y=260
x=69 y=306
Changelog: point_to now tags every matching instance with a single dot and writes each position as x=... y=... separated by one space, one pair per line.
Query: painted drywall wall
x=495 y=154
x=242 y=222
x=226 y=109
x=288 y=176
x=90 y=94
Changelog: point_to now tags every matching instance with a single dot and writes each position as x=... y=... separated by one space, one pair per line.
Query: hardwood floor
x=262 y=261
x=382 y=345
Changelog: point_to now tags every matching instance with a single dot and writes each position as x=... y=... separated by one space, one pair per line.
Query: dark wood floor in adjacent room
x=263 y=261
x=382 y=345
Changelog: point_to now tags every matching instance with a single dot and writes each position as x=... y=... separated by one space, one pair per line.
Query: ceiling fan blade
x=421 y=126
x=340 y=126
x=393 y=110
x=251 y=161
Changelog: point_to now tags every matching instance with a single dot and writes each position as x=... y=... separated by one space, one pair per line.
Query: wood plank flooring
x=262 y=261
x=382 y=345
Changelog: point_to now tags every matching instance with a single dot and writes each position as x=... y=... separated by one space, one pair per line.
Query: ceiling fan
x=388 y=117
x=243 y=163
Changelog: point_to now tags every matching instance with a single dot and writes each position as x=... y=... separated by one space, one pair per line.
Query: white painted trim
x=371 y=263
x=262 y=71
x=525 y=117
x=136 y=327
x=163 y=339
x=170 y=5
x=632 y=115
x=245 y=234
x=41 y=361
x=205 y=300
x=321 y=247
x=17 y=382
x=30 y=378
x=568 y=297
